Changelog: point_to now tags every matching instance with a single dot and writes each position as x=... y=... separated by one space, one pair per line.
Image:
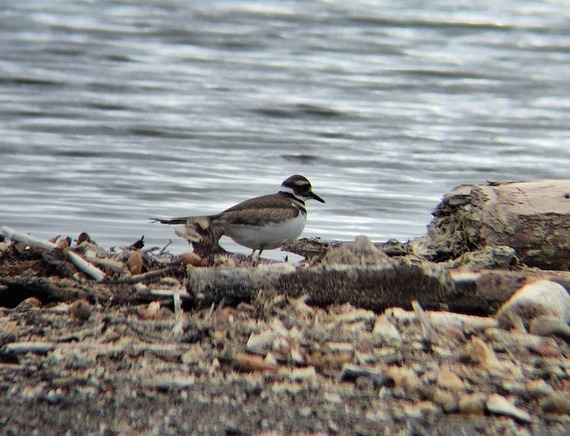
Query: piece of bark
x=533 y=218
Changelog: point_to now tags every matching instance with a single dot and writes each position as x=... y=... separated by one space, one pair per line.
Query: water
x=112 y=112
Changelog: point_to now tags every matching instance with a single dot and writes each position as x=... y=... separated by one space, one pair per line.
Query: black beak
x=316 y=197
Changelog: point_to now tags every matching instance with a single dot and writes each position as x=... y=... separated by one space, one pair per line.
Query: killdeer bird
x=264 y=223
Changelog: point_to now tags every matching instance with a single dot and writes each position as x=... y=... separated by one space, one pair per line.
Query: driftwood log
x=370 y=287
x=533 y=218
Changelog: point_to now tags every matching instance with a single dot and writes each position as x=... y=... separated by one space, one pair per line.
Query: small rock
x=472 y=404
x=539 y=388
x=350 y=373
x=514 y=388
x=303 y=374
x=480 y=353
x=332 y=397
x=501 y=406
x=385 y=332
x=424 y=410
x=556 y=404
x=29 y=303
x=540 y=298
x=80 y=309
x=447 y=379
x=446 y=400
x=403 y=377
x=360 y=252
x=547 y=326
x=261 y=343
x=352 y=314
x=152 y=311
x=340 y=347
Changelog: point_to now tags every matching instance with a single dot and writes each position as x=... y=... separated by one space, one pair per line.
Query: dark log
x=375 y=288
x=18 y=288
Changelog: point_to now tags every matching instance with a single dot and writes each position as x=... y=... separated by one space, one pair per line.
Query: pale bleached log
x=84 y=266
x=532 y=217
x=25 y=238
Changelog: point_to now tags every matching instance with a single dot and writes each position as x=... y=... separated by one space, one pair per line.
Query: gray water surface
x=112 y=112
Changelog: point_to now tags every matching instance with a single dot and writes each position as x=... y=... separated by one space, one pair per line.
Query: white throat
x=288 y=190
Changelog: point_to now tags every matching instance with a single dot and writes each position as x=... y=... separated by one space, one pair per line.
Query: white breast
x=269 y=236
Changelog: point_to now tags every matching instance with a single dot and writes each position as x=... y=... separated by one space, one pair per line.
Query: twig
x=423 y=318
x=170 y=293
x=107 y=263
x=177 y=302
x=146 y=276
x=163 y=250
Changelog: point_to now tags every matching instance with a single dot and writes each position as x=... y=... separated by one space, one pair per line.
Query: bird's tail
x=181 y=220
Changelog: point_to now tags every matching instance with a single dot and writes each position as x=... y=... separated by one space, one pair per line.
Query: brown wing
x=259 y=210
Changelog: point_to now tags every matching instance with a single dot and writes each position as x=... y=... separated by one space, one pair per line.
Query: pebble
x=303 y=374
x=424 y=410
x=385 y=332
x=556 y=404
x=286 y=388
x=540 y=298
x=480 y=353
x=446 y=400
x=339 y=347
x=538 y=388
x=472 y=404
x=80 y=309
x=447 y=379
x=29 y=303
x=500 y=405
x=402 y=377
x=548 y=326
x=332 y=397
x=261 y=343
x=354 y=315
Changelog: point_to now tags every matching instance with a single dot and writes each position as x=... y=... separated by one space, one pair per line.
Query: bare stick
x=158 y=274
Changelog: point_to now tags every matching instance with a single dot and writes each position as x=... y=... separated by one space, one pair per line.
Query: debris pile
x=140 y=348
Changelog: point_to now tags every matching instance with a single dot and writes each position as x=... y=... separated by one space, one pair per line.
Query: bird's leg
x=255 y=256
